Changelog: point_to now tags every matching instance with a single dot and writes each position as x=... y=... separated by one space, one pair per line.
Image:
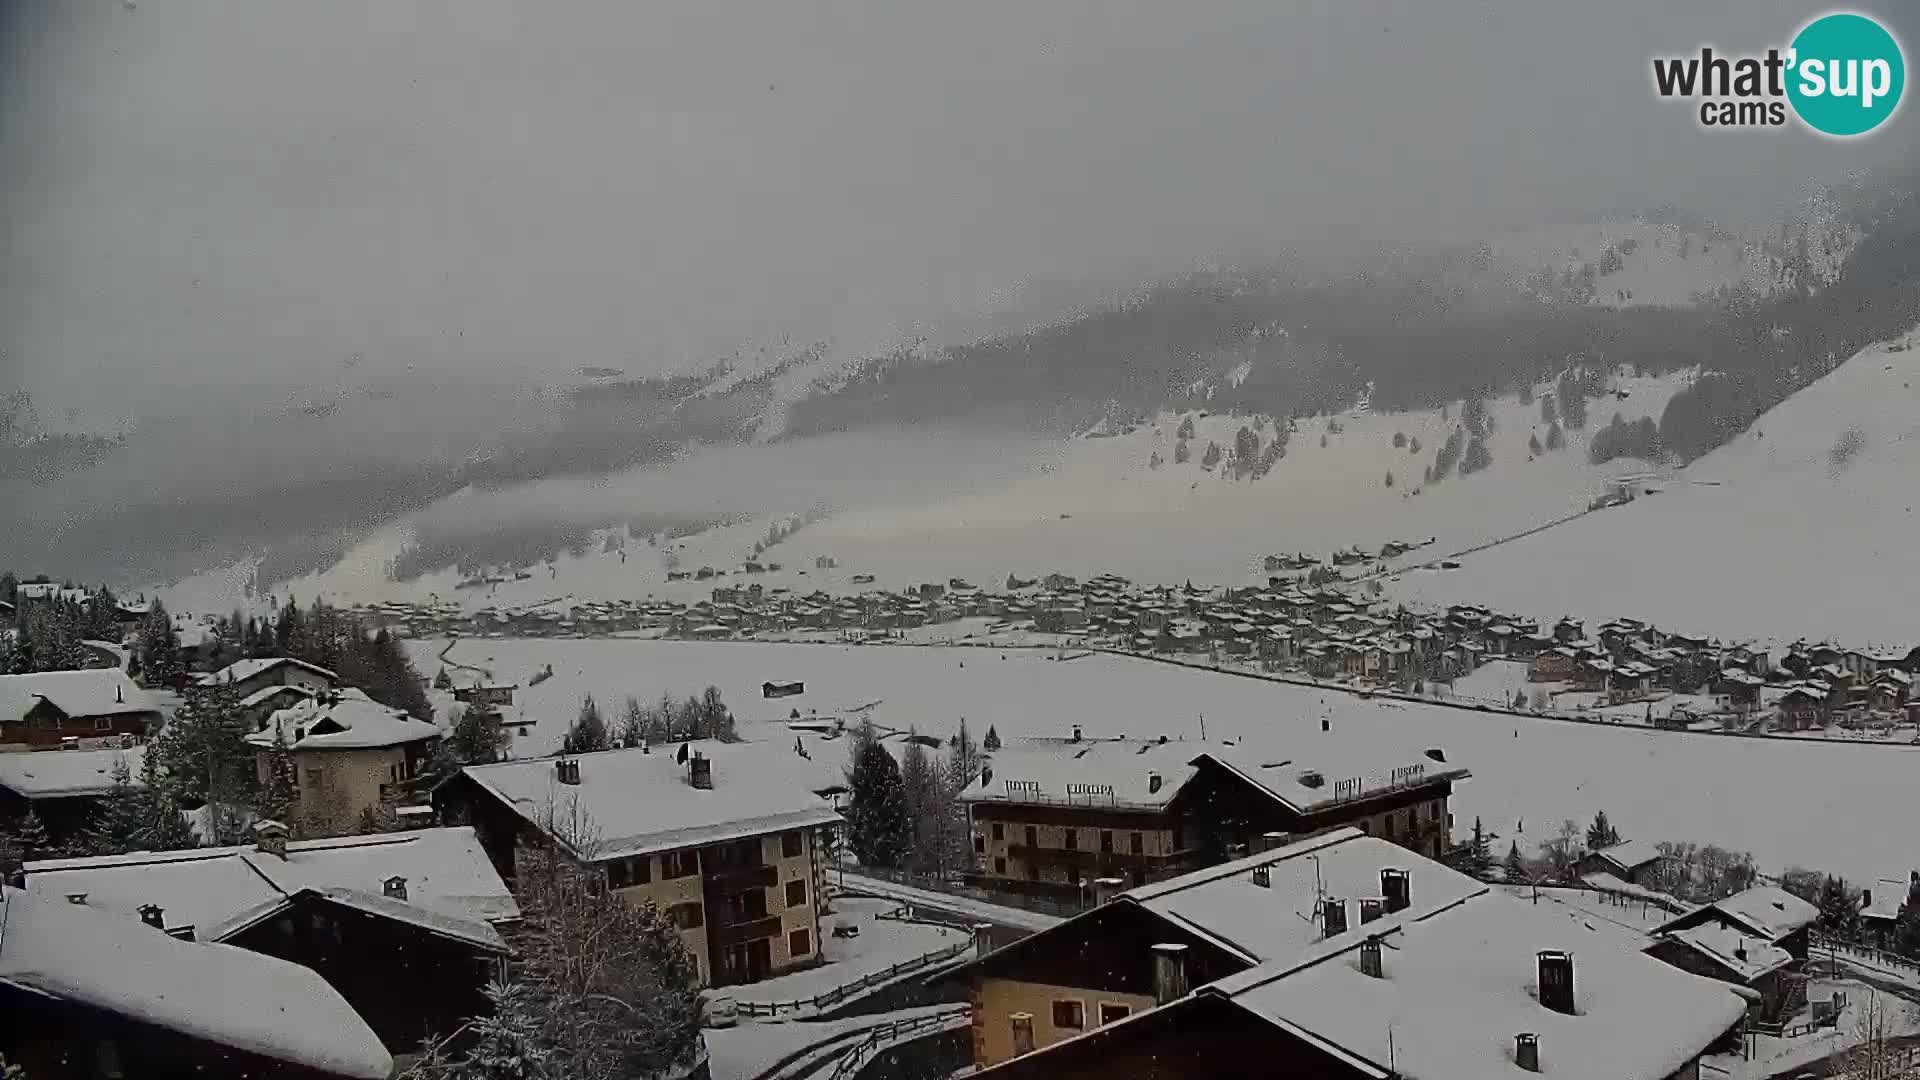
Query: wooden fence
x=1041 y=905
x=826 y=999
x=1864 y=953
x=887 y=1034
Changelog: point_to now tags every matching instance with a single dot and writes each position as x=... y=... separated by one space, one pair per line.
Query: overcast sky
x=212 y=197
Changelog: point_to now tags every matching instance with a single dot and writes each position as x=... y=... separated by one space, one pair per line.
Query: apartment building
x=348 y=752
x=723 y=836
x=1057 y=818
x=1339 y=956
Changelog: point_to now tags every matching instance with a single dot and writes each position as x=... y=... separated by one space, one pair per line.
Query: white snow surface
x=89 y=692
x=447 y=874
x=1773 y=537
x=1788 y=802
x=353 y=722
x=215 y=993
x=880 y=944
x=53 y=773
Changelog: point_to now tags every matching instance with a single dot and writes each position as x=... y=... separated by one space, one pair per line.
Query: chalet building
x=1337 y=956
x=1770 y=914
x=1731 y=955
x=48 y=708
x=258 y=706
x=62 y=787
x=1050 y=821
x=724 y=836
x=1881 y=905
x=405 y=926
x=350 y=753
x=249 y=676
x=1633 y=862
x=89 y=995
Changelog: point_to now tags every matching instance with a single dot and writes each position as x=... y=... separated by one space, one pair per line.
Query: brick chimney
x=394 y=888
x=1169 y=972
x=1526 y=1051
x=1556 y=981
x=270 y=838
x=1397 y=888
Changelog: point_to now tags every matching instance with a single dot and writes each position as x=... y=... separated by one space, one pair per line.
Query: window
x=1069 y=1015
x=679 y=864
x=1106 y=842
x=792 y=845
x=688 y=916
x=1073 y=839
x=1022 y=1033
x=1033 y=837
x=1113 y=1014
x=979 y=845
x=1139 y=844
x=316 y=778
x=626 y=873
x=1033 y=872
x=796 y=893
x=1000 y=867
x=799 y=944
x=997 y=832
x=103 y=723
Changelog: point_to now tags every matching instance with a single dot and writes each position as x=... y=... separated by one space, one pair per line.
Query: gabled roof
x=350 y=721
x=1764 y=910
x=214 y=993
x=446 y=871
x=1630 y=855
x=635 y=802
x=1745 y=955
x=242 y=670
x=89 y=692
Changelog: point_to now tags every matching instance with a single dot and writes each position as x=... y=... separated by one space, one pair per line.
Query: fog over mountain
x=341 y=251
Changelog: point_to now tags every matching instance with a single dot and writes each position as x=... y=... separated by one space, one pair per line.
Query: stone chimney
x=394 y=888
x=982 y=939
x=1556 y=981
x=1333 y=916
x=1263 y=876
x=1370 y=958
x=1397 y=888
x=1169 y=972
x=699 y=771
x=1526 y=1051
x=153 y=915
x=270 y=838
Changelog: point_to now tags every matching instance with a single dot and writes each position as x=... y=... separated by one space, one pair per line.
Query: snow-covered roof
x=1280 y=920
x=1314 y=772
x=266 y=692
x=1630 y=854
x=638 y=801
x=90 y=692
x=350 y=721
x=1889 y=896
x=215 y=993
x=1766 y=910
x=1458 y=983
x=215 y=889
x=56 y=773
x=242 y=670
x=1744 y=954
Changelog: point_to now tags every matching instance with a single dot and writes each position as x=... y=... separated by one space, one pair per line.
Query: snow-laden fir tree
x=279 y=793
x=589 y=731
x=991 y=744
x=921 y=789
x=1516 y=867
x=879 y=829
x=202 y=752
x=1601 y=833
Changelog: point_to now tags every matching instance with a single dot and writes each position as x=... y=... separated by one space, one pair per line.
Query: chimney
x=1326 y=723
x=1333 y=916
x=1263 y=876
x=699 y=771
x=1106 y=888
x=153 y=915
x=1370 y=958
x=1312 y=778
x=1153 y=783
x=1437 y=754
x=1526 y=1051
x=567 y=771
x=1556 y=981
x=1022 y=1032
x=76 y=898
x=982 y=939
x=1271 y=840
x=270 y=838
x=394 y=888
x=1371 y=908
x=1169 y=973
x=1740 y=950
x=1076 y=733
x=1866 y=898
x=1396 y=888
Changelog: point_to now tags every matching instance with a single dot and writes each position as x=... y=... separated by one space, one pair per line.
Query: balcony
x=751 y=930
x=735 y=878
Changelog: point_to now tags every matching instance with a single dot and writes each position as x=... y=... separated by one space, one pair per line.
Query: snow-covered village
x=1063 y=541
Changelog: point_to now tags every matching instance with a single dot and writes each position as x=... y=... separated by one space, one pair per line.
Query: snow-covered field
x=1781 y=534
x=1824 y=805
x=1083 y=506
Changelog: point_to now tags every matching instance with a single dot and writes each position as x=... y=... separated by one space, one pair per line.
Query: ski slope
x=1788 y=802
x=1777 y=536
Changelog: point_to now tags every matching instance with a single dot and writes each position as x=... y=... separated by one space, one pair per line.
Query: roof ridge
x=1306 y=846
x=1317 y=957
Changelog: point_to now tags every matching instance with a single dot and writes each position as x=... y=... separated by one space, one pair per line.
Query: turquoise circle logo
x=1848 y=74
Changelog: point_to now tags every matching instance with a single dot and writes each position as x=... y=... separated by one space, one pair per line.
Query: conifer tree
x=589 y=731
x=1515 y=865
x=878 y=826
x=30 y=835
x=279 y=793
x=991 y=744
x=203 y=751
x=1601 y=833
